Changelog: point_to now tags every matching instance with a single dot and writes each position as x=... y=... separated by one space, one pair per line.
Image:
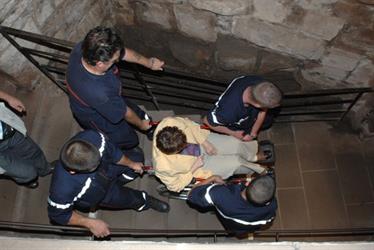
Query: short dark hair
x=261 y=190
x=100 y=44
x=79 y=155
x=171 y=140
x=267 y=94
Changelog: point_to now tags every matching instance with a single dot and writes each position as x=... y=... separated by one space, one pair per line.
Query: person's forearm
x=212 y=179
x=98 y=227
x=136 y=166
x=79 y=220
x=4 y=96
x=134 y=119
x=258 y=124
x=13 y=101
x=220 y=129
x=125 y=161
x=134 y=57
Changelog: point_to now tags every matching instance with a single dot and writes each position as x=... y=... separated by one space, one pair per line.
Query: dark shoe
x=150 y=132
x=158 y=205
x=32 y=184
x=267 y=151
x=271 y=172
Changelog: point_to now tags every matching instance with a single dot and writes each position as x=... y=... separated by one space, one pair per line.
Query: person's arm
x=136 y=166
x=209 y=148
x=12 y=101
x=197 y=164
x=224 y=130
x=98 y=227
x=212 y=179
x=151 y=63
x=134 y=119
x=256 y=126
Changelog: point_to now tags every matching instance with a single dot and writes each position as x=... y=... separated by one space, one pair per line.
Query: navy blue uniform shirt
x=96 y=101
x=229 y=110
x=84 y=190
x=98 y=97
x=236 y=214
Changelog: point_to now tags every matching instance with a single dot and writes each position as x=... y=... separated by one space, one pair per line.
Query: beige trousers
x=233 y=156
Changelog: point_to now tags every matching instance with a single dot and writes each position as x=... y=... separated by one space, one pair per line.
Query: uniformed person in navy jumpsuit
x=103 y=187
x=238 y=114
x=235 y=212
x=95 y=89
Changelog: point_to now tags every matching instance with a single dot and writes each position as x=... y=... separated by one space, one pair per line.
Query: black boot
x=32 y=184
x=158 y=205
x=150 y=132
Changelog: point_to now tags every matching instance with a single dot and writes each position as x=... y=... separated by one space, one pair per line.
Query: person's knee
x=135 y=154
x=24 y=177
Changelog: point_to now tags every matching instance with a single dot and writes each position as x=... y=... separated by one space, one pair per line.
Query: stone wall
x=68 y=20
x=326 y=43
x=332 y=39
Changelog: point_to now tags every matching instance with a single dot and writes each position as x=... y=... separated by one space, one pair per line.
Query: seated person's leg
x=32 y=152
x=228 y=145
x=243 y=170
x=17 y=158
x=18 y=169
x=227 y=165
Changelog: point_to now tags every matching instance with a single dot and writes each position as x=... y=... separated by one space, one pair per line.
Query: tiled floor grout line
x=290 y=188
x=360 y=203
x=318 y=170
x=301 y=177
x=279 y=212
x=340 y=183
x=367 y=168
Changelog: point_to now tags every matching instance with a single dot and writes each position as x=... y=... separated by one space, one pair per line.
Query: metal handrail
x=124 y=232
x=187 y=90
x=147 y=80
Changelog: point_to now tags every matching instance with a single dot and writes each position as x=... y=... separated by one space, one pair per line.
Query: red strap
x=75 y=95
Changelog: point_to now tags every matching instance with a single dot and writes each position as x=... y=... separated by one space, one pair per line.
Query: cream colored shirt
x=175 y=170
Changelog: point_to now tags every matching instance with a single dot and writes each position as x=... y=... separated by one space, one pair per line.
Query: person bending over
x=241 y=208
x=91 y=174
x=246 y=107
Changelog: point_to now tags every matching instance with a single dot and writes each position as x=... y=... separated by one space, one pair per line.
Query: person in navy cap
x=241 y=208
x=91 y=174
x=246 y=107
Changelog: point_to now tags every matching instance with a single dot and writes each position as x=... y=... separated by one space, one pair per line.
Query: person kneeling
x=241 y=208
x=91 y=173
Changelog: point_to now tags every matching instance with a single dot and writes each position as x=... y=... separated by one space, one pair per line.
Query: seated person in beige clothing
x=182 y=151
